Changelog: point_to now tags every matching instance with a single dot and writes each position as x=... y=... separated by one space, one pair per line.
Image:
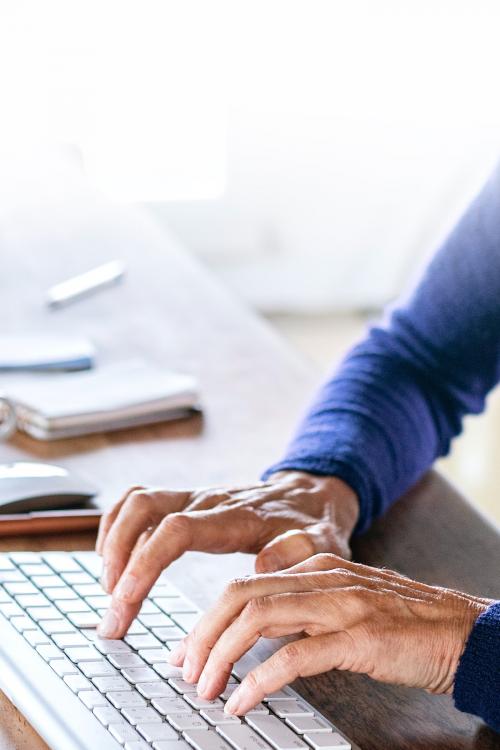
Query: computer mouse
x=26 y=486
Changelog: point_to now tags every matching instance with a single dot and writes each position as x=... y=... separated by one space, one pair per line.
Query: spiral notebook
x=112 y=397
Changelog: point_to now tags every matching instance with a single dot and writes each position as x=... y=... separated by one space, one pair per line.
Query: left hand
x=357 y=618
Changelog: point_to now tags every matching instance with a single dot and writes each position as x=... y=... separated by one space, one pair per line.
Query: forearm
x=399 y=397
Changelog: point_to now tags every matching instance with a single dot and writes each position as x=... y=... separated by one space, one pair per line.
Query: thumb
x=296 y=545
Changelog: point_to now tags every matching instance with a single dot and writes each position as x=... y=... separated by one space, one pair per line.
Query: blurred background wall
x=312 y=152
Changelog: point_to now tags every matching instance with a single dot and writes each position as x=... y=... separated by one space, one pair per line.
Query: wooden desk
x=253 y=387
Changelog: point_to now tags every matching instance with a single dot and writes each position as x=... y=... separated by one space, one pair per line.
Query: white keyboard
x=81 y=691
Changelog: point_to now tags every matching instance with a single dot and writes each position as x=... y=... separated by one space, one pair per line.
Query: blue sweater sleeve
x=399 y=397
x=477 y=681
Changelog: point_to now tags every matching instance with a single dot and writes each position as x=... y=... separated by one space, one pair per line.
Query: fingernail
x=108 y=627
x=233 y=704
x=175 y=656
x=126 y=587
x=202 y=684
x=187 y=670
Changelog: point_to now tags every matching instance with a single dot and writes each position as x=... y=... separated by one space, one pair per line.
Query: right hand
x=285 y=520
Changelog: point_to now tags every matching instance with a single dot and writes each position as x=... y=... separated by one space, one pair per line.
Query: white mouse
x=26 y=486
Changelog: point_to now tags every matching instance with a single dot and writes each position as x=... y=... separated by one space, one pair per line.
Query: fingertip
x=267 y=562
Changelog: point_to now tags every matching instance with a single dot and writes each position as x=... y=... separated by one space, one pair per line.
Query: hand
x=358 y=618
x=285 y=520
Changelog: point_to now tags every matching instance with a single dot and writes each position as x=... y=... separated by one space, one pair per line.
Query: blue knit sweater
x=399 y=398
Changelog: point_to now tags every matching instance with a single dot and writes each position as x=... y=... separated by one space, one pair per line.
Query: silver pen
x=85 y=283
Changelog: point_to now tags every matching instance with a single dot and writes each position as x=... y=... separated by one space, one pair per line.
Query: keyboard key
x=63 y=667
x=35 y=637
x=137 y=745
x=61 y=562
x=139 y=674
x=35 y=570
x=123 y=733
x=71 y=605
x=142 y=641
x=228 y=691
x=111 y=684
x=108 y=715
x=285 y=694
x=5 y=563
x=171 y=633
x=186 y=620
x=141 y=715
x=98 y=602
x=206 y=740
x=170 y=745
x=149 y=608
x=21 y=587
x=82 y=653
x=242 y=737
x=275 y=732
x=150 y=621
x=48 y=651
x=89 y=589
x=136 y=628
x=126 y=660
x=303 y=724
x=154 y=655
x=77 y=682
x=110 y=646
x=196 y=702
x=43 y=582
x=260 y=708
x=60 y=593
x=155 y=690
x=44 y=613
x=182 y=721
x=126 y=698
x=101 y=668
x=181 y=686
x=77 y=578
x=22 y=623
x=84 y=619
x=65 y=640
x=32 y=600
x=91 y=562
x=25 y=557
x=216 y=717
x=167 y=670
x=172 y=604
x=290 y=708
x=157 y=731
x=11 y=609
x=327 y=741
x=56 y=626
x=4 y=597
x=171 y=706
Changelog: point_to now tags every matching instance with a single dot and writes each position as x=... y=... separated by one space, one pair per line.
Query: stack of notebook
x=113 y=397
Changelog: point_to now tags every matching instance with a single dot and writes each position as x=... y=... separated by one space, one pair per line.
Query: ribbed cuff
x=477 y=681
x=350 y=475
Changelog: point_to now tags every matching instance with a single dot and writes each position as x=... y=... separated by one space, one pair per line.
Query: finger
x=214 y=530
x=297 y=545
x=108 y=519
x=236 y=597
x=110 y=624
x=273 y=617
x=302 y=658
x=143 y=508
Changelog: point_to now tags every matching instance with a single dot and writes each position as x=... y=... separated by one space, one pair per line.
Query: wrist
x=341 y=500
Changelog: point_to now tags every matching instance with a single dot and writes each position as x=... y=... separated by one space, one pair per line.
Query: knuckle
x=324 y=560
x=256 y=608
x=289 y=656
x=236 y=586
x=176 y=523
